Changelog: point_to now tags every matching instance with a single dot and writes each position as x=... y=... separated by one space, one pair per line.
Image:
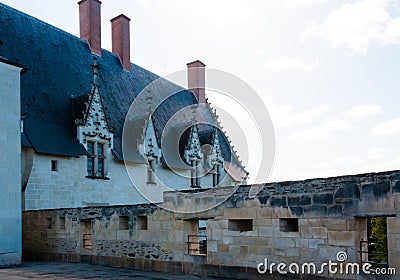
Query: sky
x=326 y=70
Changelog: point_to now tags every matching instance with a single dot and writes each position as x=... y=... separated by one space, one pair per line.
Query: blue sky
x=327 y=70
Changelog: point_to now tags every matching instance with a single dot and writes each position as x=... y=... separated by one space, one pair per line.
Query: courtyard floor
x=52 y=270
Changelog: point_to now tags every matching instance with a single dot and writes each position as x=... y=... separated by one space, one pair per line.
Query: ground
x=60 y=271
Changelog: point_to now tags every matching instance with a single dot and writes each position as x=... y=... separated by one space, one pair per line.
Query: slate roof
x=58 y=68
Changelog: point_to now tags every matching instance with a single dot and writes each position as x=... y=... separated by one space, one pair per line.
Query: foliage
x=378 y=237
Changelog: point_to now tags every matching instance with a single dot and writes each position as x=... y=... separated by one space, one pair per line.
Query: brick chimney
x=90 y=23
x=197 y=80
x=121 y=40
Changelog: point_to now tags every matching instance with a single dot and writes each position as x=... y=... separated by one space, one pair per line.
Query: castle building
x=63 y=121
x=75 y=98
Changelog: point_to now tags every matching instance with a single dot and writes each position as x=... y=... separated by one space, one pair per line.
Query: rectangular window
x=95 y=159
x=90 y=158
x=100 y=160
x=123 y=222
x=141 y=222
x=216 y=175
x=240 y=225
x=289 y=225
x=49 y=223
x=87 y=234
x=150 y=170
x=54 y=165
x=194 y=175
x=377 y=242
x=61 y=223
x=197 y=239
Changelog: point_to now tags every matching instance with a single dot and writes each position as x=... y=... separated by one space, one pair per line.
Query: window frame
x=241 y=225
x=194 y=174
x=54 y=165
x=151 y=166
x=289 y=225
x=216 y=174
x=96 y=157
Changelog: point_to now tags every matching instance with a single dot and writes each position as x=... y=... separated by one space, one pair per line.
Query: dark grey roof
x=59 y=77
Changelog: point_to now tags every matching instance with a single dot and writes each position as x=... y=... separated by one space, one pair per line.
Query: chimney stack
x=90 y=23
x=197 y=80
x=121 y=40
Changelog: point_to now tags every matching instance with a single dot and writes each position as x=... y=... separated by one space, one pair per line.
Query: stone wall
x=10 y=165
x=301 y=222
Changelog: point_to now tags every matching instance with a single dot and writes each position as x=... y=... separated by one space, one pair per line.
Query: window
x=95 y=159
x=240 y=225
x=194 y=174
x=87 y=234
x=197 y=239
x=49 y=223
x=150 y=170
x=216 y=174
x=289 y=225
x=61 y=224
x=54 y=165
x=90 y=158
x=141 y=222
x=100 y=160
x=377 y=241
x=123 y=222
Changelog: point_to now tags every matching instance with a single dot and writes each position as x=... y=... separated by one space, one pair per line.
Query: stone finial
x=95 y=69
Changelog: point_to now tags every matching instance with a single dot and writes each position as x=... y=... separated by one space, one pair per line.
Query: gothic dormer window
x=216 y=158
x=151 y=161
x=151 y=152
x=94 y=132
x=193 y=155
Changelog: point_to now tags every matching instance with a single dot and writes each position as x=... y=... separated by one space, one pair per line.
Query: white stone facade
x=10 y=166
x=70 y=187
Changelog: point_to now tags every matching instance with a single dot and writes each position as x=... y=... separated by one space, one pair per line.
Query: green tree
x=378 y=237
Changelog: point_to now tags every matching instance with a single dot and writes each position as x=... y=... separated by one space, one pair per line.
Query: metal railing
x=369 y=256
x=197 y=244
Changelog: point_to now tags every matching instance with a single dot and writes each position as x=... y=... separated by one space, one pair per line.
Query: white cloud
x=355 y=26
x=218 y=13
x=289 y=63
x=360 y=112
x=285 y=116
x=319 y=132
x=301 y=4
x=391 y=127
x=376 y=153
x=374 y=159
x=392 y=33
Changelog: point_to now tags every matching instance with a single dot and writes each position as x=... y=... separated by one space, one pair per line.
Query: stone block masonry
x=301 y=222
x=10 y=165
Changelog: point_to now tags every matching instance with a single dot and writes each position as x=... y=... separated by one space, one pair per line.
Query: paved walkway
x=59 y=271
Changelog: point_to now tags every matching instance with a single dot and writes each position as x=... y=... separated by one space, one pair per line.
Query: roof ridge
x=40 y=21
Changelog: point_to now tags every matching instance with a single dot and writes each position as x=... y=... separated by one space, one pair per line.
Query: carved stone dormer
x=94 y=132
x=94 y=124
x=216 y=154
x=193 y=154
x=149 y=141
x=192 y=150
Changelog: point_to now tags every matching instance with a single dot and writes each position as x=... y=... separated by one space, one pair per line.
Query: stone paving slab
x=78 y=271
